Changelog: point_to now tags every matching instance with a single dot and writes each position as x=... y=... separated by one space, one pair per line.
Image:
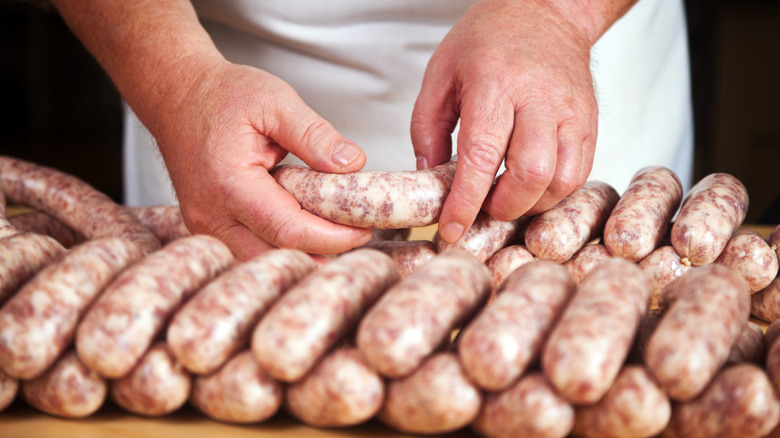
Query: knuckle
x=483 y=157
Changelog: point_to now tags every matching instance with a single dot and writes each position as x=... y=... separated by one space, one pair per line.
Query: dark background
x=58 y=108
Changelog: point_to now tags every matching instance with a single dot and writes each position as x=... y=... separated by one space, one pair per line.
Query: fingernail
x=451 y=232
x=422 y=163
x=364 y=239
x=345 y=153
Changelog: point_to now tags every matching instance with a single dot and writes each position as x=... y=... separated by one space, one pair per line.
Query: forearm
x=149 y=48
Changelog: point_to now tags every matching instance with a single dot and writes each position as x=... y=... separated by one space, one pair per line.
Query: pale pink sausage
x=707 y=309
x=39 y=322
x=371 y=199
x=772 y=363
x=765 y=304
x=436 y=398
x=531 y=408
x=342 y=390
x=774 y=240
x=418 y=313
x=640 y=219
x=319 y=311
x=750 y=346
x=408 y=255
x=633 y=407
x=498 y=345
x=711 y=213
x=42 y=223
x=739 y=402
x=218 y=320
x=9 y=387
x=584 y=260
x=134 y=308
x=504 y=262
x=239 y=392
x=67 y=389
x=72 y=201
x=23 y=255
x=156 y=386
x=661 y=267
x=558 y=233
x=750 y=255
x=486 y=236
x=164 y=221
x=596 y=330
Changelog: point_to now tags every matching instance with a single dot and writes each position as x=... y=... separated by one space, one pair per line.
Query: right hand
x=220 y=137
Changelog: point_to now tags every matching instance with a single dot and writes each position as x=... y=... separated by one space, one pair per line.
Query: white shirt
x=360 y=64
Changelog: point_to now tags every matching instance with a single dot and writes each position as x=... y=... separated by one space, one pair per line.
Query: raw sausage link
x=749 y=347
x=239 y=392
x=641 y=217
x=773 y=353
x=437 y=398
x=342 y=390
x=750 y=255
x=596 y=331
x=23 y=255
x=371 y=199
x=164 y=221
x=561 y=231
x=486 y=236
x=319 y=311
x=712 y=212
x=156 y=386
x=9 y=387
x=503 y=263
x=134 y=308
x=531 y=408
x=774 y=240
x=584 y=260
x=408 y=255
x=633 y=407
x=39 y=322
x=740 y=402
x=218 y=321
x=765 y=304
x=661 y=267
x=67 y=389
x=707 y=309
x=71 y=200
x=497 y=346
x=42 y=223
x=419 y=313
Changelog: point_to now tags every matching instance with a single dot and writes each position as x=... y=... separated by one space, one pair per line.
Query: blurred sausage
x=23 y=255
x=661 y=267
x=42 y=223
x=584 y=260
x=749 y=346
x=486 y=236
x=765 y=304
x=164 y=221
x=504 y=262
x=9 y=387
x=408 y=255
x=6 y=228
x=750 y=255
x=558 y=233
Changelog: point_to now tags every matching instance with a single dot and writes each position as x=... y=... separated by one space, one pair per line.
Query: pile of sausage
x=608 y=315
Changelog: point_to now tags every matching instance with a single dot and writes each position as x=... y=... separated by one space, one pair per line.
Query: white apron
x=360 y=64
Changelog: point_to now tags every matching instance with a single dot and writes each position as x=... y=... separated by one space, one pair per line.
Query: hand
x=220 y=138
x=517 y=75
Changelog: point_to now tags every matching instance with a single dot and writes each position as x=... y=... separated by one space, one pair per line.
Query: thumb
x=305 y=134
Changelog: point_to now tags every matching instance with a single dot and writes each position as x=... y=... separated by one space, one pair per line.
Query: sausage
x=418 y=313
x=558 y=233
x=164 y=221
x=319 y=311
x=497 y=346
x=9 y=387
x=42 y=223
x=584 y=260
x=772 y=363
x=750 y=346
x=6 y=227
x=239 y=392
x=67 y=389
x=596 y=330
x=712 y=212
x=633 y=407
x=72 y=201
x=641 y=217
x=408 y=255
x=750 y=255
x=156 y=386
x=740 y=402
x=436 y=398
x=503 y=263
x=370 y=199
x=661 y=267
x=706 y=310
x=485 y=236
x=133 y=309
x=774 y=240
x=342 y=390
x=765 y=304
x=646 y=328
x=218 y=320
x=531 y=408
x=23 y=255
x=39 y=322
